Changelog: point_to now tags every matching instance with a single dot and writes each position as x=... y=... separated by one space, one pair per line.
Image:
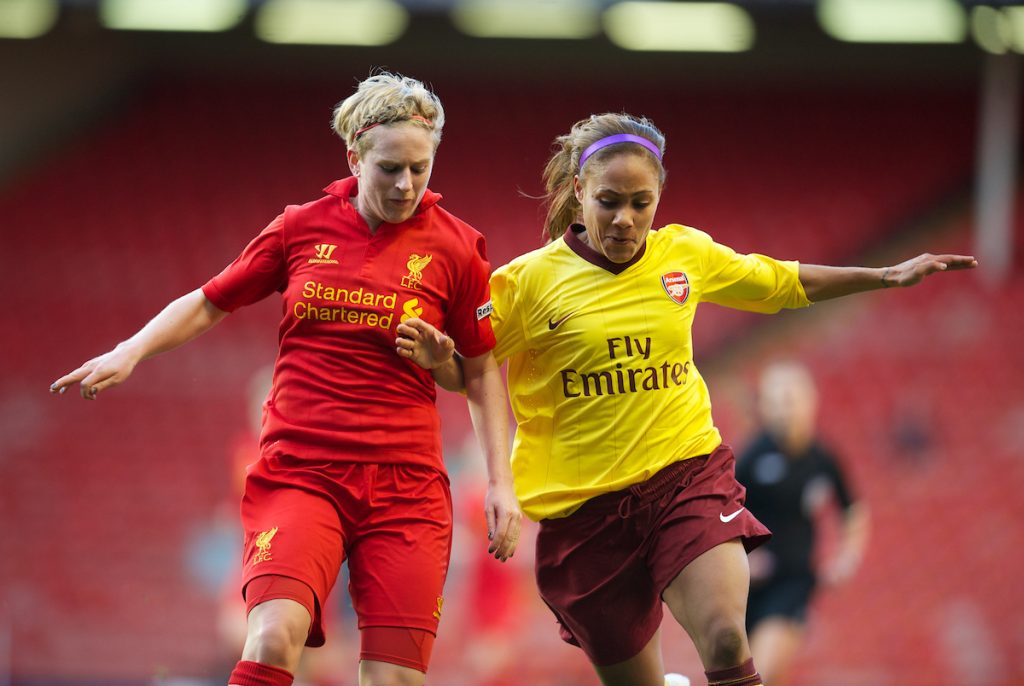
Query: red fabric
x=255 y=674
x=603 y=568
x=393 y=523
x=399 y=646
x=340 y=390
x=744 y=675
x=274 y=587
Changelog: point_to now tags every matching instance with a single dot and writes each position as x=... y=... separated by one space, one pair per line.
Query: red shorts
x=603 y=568
x=393 y=522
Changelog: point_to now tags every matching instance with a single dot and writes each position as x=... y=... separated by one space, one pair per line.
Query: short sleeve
x=256 y=273
x=468 y=320
x=506 y=318
x=756 y=283
x=843 y=494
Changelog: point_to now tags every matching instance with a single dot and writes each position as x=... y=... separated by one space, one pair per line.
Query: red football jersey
x=340 y=390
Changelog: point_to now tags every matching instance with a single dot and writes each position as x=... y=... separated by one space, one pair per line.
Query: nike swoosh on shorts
x=729 y=518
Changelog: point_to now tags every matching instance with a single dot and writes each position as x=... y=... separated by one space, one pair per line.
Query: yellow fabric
x=600 y=365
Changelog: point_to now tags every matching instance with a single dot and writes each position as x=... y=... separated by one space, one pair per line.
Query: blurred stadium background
x=143 y=142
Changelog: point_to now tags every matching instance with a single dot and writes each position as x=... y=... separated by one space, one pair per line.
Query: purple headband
x=618 y=138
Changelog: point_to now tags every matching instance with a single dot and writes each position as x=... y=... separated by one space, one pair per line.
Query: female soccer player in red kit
x=616 y=454
x=350 y=462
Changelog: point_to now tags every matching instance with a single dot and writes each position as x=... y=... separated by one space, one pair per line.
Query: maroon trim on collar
x=595 y=258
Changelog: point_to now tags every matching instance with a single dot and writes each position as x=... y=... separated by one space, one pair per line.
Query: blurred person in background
x=350 y=463
x=789 y=476
x=616 y=454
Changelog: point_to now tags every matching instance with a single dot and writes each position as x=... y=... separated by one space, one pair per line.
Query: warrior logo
x=437 y=612
x=323 y=254
x=263 y=546
x=416 y=265
x=677 y=286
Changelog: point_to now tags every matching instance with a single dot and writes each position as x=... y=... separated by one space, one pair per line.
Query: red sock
x=744 y=675
x=254 y=674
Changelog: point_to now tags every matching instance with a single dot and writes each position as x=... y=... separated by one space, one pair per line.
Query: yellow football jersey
x=600 y=358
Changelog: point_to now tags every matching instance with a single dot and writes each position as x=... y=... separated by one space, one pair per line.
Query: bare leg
x=709 y=599
x=277 y=633
x=643 y=669
x=374 y=673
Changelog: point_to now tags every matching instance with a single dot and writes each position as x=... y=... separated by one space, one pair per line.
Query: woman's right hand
x=422 y=343
x=99 y=373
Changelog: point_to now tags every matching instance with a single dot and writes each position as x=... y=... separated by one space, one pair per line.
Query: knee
x=726 y=645
x=278 y=643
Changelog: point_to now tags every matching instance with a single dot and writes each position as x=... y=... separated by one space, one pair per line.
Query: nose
x=623 y=219
x=404 y=181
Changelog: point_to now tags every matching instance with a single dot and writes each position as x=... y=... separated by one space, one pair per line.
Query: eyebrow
x=599 y=191
x=384 y=160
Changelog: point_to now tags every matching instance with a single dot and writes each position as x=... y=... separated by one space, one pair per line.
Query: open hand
x=915 y=269
x=423 y=344
x=109 y=369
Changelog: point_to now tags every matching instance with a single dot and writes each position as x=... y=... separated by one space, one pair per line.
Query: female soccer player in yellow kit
x=616 y=454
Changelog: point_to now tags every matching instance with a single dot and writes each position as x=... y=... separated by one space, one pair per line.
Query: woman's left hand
x=423 y=344
x=504 y=520
x=915 y=269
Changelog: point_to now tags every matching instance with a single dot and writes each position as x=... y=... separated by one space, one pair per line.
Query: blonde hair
x=385 y=98
x=560 y=197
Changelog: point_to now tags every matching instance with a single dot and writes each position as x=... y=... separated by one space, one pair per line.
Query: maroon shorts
x=602 y=569
x=392 y=521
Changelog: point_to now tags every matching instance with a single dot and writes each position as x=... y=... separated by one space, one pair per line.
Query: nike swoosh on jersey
x=729 y=518
x=552 y=325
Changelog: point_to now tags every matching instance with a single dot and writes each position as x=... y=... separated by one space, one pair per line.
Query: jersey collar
x=348 y=187
x=595 y=258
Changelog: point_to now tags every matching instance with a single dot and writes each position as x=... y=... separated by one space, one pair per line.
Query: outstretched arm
x=824 y=283
x=181 y=321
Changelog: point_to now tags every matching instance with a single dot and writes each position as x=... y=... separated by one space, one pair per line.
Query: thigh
x=291 y=532
x=391 y=654
x=592 y=575
x=643 y=669
x=398 y=556
x=373 y=672
x=711 y=593
x=703 y=513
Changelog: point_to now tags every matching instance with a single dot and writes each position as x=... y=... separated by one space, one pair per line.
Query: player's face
x=393 y=172
x=619 y=197
x=788 y=403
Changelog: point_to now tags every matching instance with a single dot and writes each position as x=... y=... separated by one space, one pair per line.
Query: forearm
x=485 y=393
x=824 y=283
x=178 y=323
x=851 y=546
x=855 y=531
x=449 y=375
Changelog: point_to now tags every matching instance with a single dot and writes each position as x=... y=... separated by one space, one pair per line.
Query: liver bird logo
x=263 y=546
x=415 y=265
